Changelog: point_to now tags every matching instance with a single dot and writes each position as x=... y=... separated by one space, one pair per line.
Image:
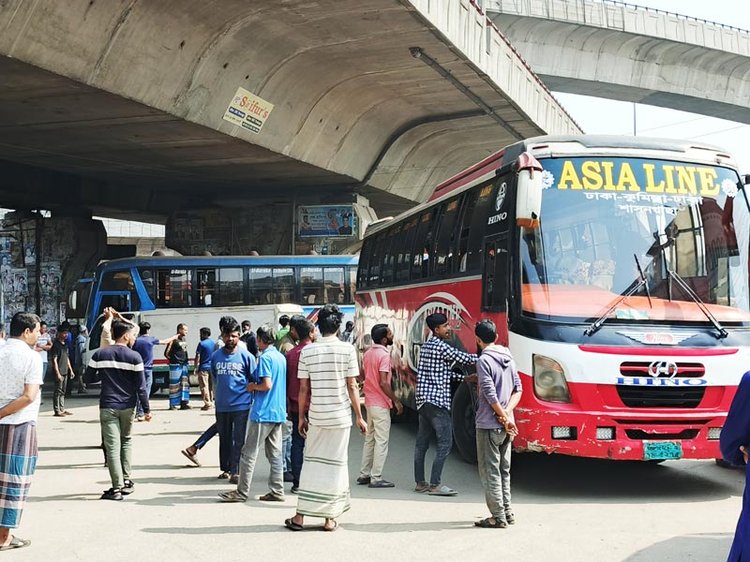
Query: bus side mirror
x=746 y=179
x=528 y=191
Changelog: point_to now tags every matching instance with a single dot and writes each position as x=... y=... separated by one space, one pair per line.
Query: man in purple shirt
x=499 y=390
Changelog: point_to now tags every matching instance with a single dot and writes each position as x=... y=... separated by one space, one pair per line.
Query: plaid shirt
x=434 y=374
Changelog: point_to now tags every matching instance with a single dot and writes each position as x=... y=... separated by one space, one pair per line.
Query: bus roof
x=226 y=261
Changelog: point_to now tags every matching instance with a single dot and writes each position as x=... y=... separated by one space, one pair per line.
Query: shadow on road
x=707 y=548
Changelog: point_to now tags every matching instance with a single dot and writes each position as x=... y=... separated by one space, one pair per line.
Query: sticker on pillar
x=248 y=111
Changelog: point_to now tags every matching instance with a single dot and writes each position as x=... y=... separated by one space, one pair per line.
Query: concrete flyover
x=630 y=53
x=117 y=105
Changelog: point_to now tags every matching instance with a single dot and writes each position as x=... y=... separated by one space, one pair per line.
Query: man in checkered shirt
x=434 y=374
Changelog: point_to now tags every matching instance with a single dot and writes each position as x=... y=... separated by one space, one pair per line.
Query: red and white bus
x=616 y=269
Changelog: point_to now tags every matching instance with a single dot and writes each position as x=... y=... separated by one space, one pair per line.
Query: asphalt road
x=567 y=508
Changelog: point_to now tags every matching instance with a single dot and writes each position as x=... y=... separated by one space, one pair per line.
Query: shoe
x=271 y=497
x=15 y=542
x=510 y=517
x=112 y=494
x=363 y=480
x=381 y=484
x=185 y=407
x=422 y=487
x=205 y=407
x=139 y=418
x=128 y=488
x=488 y=524
x=232 y=496
x=191 y=457
x=288 y=477
x=234 y=479
x=67 y=412
x=224 y=475
x=442 y=490
x=58 y=415
x=294 y=489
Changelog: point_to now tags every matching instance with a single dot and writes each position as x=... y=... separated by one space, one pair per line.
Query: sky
x=597 y=115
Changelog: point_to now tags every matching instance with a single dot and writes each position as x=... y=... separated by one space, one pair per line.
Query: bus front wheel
x=464 y=428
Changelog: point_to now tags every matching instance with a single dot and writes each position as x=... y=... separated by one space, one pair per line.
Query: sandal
x=192 y=458
x=442 y=491
x=488 y=524
x=331 y=529
x=15 y=542
x=233 y=496
x=292 y=525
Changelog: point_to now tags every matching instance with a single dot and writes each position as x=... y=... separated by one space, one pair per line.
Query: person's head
x=226 y=321
x=381 y=334
x=65 y=325
x=301 y=328
x=349 y=326
x=43 y=327
x=284 y=320
x=437 y=322
x=266 y=336
x=205 y=333
x=25 y=327
x=329 y=319
x=346 y=220
x=230 y=335
x=486 y=333
x=123 y=332
x=143 y=328
x=246 y=326
x=182 y=330
x=62 y=332
x=83 y=330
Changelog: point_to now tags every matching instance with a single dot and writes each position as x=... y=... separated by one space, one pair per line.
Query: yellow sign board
x=248 y=111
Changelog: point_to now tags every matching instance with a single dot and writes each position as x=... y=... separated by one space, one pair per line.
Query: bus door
x=495 y=274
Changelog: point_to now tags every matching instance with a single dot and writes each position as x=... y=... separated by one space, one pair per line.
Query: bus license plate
x=662 y=450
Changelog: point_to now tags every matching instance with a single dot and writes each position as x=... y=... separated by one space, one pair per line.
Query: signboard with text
x=248 y=111
x=331 y=221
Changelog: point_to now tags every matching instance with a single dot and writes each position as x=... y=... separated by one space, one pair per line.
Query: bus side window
x=206 y=287
x=352 y=287
x=391 y=243
x=311 y=283
x=464 y=228
x=283 y=285
x=406 y=243
x=174 y=288
x=478 y=226
x=495 y=278
x=422 y=246
x=364 y=264
x=376 y=257
x=333 y=285
x=446 y=235
x=261 y=285
x=231 y=287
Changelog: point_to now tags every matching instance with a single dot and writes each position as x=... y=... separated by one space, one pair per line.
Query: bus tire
x=464 y=428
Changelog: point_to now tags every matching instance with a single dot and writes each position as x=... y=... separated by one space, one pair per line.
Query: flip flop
x=292 y=526
x=15 y=542
x=487 y=524
x=331 y=529
x=442 y=491
x=192 y=458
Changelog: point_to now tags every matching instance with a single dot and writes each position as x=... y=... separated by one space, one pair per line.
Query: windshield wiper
x=632 y=289
x=697 y=300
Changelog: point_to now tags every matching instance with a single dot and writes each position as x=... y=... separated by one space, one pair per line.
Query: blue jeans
x=149 y=375
x=231 y=427
x=205 y=437
x=298 y=449
x=438 y=421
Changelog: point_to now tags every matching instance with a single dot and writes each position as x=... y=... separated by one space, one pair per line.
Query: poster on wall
x=331 y=221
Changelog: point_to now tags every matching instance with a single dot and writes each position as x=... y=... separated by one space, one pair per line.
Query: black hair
x=42 y=323
x=436 y=319
x=378 y=332
x=229 y=327
x=225 y=320
x=64 y=327
x=486 y=331
x=181 y=325
x=23 y=321
x=246 y=323
x=349 y=325
x=329 y=319
x=266 y=334
x=120 y=328
x=284 y=320
x=205 y=332
x=143 y=328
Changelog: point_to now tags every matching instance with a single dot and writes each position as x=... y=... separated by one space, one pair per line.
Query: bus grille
x=661 y=397
x=640 y=368
x=642 y=435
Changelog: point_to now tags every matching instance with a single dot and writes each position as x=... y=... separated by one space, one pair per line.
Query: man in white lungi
x=329 y=369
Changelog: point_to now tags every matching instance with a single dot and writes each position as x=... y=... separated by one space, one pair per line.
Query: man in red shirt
x=379 y=399
x=301 y=330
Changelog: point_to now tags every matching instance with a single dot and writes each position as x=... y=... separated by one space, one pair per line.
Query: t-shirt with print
x=59 y=351
x=232 y=372
x=270 y=406
x=327 y=363
x=21 y=365
x=376 y=359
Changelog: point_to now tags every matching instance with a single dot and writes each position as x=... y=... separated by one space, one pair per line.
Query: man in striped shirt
x=329 y=369
x=123 y=381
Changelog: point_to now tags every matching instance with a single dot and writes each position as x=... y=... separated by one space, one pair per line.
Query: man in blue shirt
x=433 y=396
x=203 y=354
x=266 y=420
x=144 y=346
x=232 y=369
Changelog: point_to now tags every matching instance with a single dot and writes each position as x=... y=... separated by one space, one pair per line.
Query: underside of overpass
x=116 y=107
x=624 y=52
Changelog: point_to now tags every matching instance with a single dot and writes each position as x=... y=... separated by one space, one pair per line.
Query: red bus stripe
x=675 y=351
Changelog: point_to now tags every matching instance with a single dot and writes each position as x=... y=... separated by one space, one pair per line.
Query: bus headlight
x=549 y=380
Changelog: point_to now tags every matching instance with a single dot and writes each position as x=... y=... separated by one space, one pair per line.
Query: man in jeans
x=123 y=381
x=62 y=369
x=433 y=396
x=302 y=330
x=267 y=416
x=499 y=392
x=203 y=353
x=379 y=399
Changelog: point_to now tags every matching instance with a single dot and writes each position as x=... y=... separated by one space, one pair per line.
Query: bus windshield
x=604 y=218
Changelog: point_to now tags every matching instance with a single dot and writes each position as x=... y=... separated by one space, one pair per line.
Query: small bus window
x=174 y=288
x=376 y=256
x=467 y=212
x=478 y=226
x=333 y=283
x=283 y=284
x=311 y=283
x=261 y=285
x=206 y=287
x=147 y=278
x=423 y=246
x=403 y=260
x=231 y=287
x=352 y=285
x=364 y=261
x=390 y=249
x=445 y=247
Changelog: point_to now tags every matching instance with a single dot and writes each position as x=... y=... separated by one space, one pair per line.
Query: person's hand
x=743 y=450
x=250 y=387
x=511 y=428
x=302 y=427
x=107 y=313
x=59 y=378
x=399 y=408
x=362 y=425
x=72 y=376
x=471 y=378
x=147 y=417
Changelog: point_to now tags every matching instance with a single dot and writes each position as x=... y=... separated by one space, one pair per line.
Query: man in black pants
x=62 y=369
